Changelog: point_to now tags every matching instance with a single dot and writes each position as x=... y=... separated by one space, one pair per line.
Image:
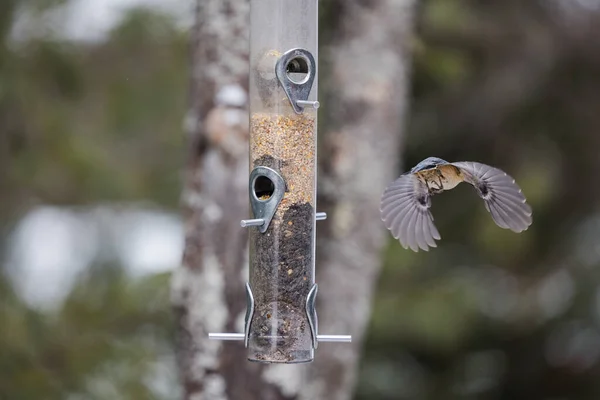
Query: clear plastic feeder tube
x=283 y=138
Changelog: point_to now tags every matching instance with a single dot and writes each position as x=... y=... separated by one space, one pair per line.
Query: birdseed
x=290 y=139
x=281 y=259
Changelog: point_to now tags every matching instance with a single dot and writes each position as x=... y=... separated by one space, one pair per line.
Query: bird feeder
x=281 y=320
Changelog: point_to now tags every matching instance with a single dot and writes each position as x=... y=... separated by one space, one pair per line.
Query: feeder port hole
x=263 y=188
x=297 y=69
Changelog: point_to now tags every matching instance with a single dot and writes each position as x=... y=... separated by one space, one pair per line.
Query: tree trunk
x=366 y=103
x=207 y=290
x=365 y=106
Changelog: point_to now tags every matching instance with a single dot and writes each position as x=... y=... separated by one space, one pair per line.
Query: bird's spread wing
x=502 y=196
x=405 y=212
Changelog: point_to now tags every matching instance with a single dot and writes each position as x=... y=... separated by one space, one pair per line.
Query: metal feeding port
x=267 y=188
x=281 y=323
x=296 y=72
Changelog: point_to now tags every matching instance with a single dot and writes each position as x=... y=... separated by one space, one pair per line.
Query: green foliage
x=82 y=123
x=104 y=342
x=101 y=122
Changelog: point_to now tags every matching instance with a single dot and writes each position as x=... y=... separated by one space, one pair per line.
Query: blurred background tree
x=87 y=127
x=91 y=130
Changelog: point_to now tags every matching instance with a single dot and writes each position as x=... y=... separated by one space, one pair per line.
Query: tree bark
x=366 y=101
x=207 y=290
x=365 y=105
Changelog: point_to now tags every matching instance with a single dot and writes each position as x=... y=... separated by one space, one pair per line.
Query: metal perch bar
x=246 y=223
x=303 y=103
x=320 y=338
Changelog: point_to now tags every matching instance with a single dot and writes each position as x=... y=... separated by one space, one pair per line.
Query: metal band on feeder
x=281 y=321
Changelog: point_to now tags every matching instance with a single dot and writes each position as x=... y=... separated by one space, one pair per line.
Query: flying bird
x=406 y=202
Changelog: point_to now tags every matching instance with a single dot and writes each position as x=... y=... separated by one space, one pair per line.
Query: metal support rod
x=334 y=338
x=320 y=338
x=226 y=336
x=245 y=223
x=307 y=103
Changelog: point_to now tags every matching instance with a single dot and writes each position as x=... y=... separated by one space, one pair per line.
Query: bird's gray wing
x=503 y=197
x=405 y=212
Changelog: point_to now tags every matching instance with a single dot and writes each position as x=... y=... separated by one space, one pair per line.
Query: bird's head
x=428 y=163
